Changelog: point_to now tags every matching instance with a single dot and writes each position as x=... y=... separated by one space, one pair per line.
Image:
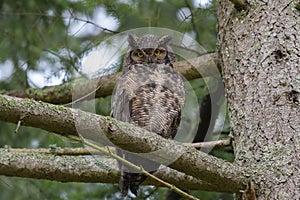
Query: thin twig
x=104 y=150
x=188 y=49
x=211 y=144
x=172 y=187
x=98 y=26
x=84 y=96
x=56 y=16
x=111 y=150
x=192 y=19
x=57 y=151
x=18 y=126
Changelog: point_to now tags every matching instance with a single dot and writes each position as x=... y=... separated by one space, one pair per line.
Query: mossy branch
x=82 y=169
x=109 y=131
x=202 y=66
x=140 y=169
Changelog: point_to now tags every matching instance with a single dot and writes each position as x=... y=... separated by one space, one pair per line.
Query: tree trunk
x=259 y=50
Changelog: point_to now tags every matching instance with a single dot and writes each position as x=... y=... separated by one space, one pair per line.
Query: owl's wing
x=122 y=96
x=122 y=110
x=175 y=123
x=121 y=106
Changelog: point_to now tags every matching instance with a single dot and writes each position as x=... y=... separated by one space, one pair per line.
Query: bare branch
x=57 y=151
x=84 y=151
x=103 y=130
x=202 y=66
x=140 y=169
x=93 y=23
x=211 y=144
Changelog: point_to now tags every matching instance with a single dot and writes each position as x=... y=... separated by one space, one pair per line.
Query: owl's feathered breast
x=150 y=96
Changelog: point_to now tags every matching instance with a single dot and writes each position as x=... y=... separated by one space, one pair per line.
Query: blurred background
x=43 y=43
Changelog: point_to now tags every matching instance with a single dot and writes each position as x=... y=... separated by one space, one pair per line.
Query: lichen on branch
x=65 y=121
x=202 y=66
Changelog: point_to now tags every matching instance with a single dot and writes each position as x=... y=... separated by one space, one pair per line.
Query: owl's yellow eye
x=140 y=54
x=157 y=52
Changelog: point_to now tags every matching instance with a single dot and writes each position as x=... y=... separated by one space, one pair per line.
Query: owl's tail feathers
x=130 y=181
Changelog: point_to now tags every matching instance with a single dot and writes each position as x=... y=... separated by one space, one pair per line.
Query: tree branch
x=139 y=169
x=212 y=144
x=104 y=130
x=58 y=151
x=84 y=151
x=103 y=86
x=83 y=169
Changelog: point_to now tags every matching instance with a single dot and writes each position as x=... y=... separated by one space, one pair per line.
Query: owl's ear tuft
x=164 y=40
x=132 y=40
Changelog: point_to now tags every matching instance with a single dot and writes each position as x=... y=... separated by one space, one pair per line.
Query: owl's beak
x=149 y=60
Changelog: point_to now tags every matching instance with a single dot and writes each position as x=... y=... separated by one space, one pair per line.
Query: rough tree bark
x=260 y=54
x=89 y=169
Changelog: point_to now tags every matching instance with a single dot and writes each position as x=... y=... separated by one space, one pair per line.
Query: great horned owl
x=149 y=94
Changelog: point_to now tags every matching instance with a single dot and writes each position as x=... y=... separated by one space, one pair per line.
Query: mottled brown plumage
x=149 y=94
